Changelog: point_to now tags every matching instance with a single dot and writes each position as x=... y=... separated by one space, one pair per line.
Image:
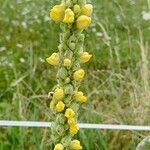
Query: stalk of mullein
x=73 y=17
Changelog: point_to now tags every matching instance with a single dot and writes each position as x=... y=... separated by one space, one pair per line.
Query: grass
x=117 y=81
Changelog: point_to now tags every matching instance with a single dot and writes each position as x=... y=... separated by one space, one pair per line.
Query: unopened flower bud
x=76 y=9
x=62 y=73
x=69 y=89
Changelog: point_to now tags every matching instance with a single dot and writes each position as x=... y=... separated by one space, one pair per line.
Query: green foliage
x=117 y=80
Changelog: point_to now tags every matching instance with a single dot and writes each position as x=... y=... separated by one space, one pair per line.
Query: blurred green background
x=117 y=80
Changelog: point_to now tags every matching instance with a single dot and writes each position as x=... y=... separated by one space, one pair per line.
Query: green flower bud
x=72 y=46
x=68 y=101
x=60 y=130
x=74 y=1
x=62 y=73
x=68 y=3
x=69 y=89
x=82 y=2
x=60 y=119
x=76 y=9
x=81 y=38
x=75 y=106
x=60 y=47
x=67 y=80
x=66 y=141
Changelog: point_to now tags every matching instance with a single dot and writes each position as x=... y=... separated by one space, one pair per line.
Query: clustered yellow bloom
x=75 y=145
x=79 y=75
x=60 y=106
x=69 y=113
x=79 y=97
x=59 y=147
x=58 y=94
x=53 y=59
x=73 y=16
x=74 y=129
x=67 y=62
x=58 y=13
x=85 y=57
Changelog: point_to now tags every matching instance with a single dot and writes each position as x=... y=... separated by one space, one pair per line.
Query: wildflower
x=71 y=121
x=69 y=16
x=74 y=129
x=59 y=147
x=85 y=57
x=53 y=59
x=83 y=22
x=57 y=13
x=75 y=145
x=69 y=113
x=79 y=75
x=52 y=105
x=67 y=62
x=79 y=97
x=60 y=106
x=87 y=10
x=58 y=94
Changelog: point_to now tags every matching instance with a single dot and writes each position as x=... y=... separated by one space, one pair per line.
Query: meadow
x=117 y=78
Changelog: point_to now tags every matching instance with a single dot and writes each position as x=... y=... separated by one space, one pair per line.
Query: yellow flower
x=71 y=121
x=60 y=106
x=53 y=59
x=79 y=75
x=67 y=62
x=79 y=97
x=87 y=10
x=74 y=129
x=75 y=145
x=83 y=22
x=57 y=13
x=76 y=9
x=59 y=147
x=58 y=94
x=69 y=113
x=85 y=57
x=69 y=16
x=52 y=105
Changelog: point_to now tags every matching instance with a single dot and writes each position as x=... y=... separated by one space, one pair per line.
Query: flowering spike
x=73 y=16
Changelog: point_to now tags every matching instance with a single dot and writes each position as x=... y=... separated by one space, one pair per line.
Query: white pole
x=4 y=123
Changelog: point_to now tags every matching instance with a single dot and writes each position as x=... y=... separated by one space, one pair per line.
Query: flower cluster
x=74 y=16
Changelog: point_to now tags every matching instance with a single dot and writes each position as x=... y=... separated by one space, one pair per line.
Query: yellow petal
x=83 y=22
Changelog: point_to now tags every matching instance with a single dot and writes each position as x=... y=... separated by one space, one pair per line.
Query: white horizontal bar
x=81 y=125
